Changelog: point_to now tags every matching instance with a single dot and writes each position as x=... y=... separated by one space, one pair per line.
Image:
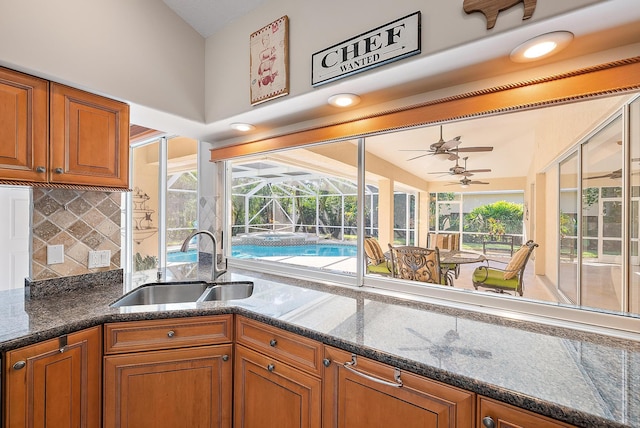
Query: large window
x=497 y=181
x=164 y=208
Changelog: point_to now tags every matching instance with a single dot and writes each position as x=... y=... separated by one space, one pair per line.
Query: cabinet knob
x=225 y=357
x=488 y=422
x=19 y=365
x=171 y=333
x=271 y=367
x=41 y=169
x=58 y=170
x=326 y=362
x=273 y=342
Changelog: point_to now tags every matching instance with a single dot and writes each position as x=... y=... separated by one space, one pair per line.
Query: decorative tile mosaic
x=82 y=221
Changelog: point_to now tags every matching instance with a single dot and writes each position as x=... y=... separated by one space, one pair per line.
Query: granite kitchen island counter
x=579 y=378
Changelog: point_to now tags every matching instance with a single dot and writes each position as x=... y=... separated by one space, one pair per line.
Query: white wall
x=314 y=26
x=138 y=51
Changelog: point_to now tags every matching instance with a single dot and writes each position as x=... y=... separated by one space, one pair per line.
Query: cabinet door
x=24 y=112
x=189 y=387
x=55 y=383
x=89 y=139
x=272 y=394
x=494 y=414
x=374 y=395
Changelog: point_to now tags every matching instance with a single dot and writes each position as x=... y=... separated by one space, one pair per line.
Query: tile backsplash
x=82 y=221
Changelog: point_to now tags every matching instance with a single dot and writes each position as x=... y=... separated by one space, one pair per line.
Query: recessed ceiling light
x=541 y=46
x=344 y=100
x=243 y=127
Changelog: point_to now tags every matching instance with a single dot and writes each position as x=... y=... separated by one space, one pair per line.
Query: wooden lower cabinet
x=369 y=394
x=272 y=394
x=494 y=414
x=55 y=383
x=173 y=388
x=169 y=373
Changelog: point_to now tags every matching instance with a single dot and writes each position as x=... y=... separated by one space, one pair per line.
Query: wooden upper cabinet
x=89 y=139
x=24 y=112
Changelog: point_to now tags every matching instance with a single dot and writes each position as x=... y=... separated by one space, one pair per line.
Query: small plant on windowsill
x=144 y=263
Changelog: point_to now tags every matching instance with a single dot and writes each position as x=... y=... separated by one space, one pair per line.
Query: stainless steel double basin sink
x=159 y=293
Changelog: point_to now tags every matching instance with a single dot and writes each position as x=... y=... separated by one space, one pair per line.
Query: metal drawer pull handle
x=354 y=362
x=62 y=343
x=271 y=367
x=273 y=342
x=171 y=333
x=19 y=365
x=488 y=422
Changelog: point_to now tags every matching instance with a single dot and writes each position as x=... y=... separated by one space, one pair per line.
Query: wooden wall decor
x=491 y=8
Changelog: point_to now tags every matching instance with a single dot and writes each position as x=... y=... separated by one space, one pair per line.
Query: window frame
x=614 y=78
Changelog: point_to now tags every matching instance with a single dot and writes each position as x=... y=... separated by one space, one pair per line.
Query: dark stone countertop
x=580 y=378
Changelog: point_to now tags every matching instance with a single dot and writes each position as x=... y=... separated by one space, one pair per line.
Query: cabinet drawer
x=300 y=352
x=150 y=335
x=502 y=415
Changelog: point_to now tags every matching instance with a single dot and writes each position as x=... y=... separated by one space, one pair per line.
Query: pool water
x=256 y=251
x=317 y=250
x=190 y=256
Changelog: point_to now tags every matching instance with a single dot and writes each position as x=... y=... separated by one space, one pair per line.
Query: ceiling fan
x=462 y=170
x=449 y=148
x=615 y=175
x=466 y=182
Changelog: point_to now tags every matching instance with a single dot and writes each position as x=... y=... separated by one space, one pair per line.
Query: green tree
x=499 y=217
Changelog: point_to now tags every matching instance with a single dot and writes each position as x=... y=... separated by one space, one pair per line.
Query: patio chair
x=417 y=264
x=445 y=241
x=510 y=278
x=376 y=260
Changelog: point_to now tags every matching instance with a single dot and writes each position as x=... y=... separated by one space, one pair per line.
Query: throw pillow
x=516 y=262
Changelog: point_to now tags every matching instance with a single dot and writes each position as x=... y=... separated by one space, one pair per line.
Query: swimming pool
x=190 y=256
x=317 y=250
x=256 y=251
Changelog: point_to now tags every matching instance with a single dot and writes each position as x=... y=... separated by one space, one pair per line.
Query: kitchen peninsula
x=578 y=378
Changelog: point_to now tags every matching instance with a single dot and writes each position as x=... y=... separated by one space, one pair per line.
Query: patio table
x=449 y=258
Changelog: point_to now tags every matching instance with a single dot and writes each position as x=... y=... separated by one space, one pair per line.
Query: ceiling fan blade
x=414 y=150
x=417 y=157
x=474 y=149
x=451 y=144
x=613 y=175
x=452 y=156
x=441 y=172
x=479 y=170
x=478 y=182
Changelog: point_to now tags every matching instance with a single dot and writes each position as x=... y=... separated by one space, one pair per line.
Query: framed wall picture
x=270 y=61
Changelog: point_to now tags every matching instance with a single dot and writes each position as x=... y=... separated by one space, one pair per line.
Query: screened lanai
x=308 y=195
